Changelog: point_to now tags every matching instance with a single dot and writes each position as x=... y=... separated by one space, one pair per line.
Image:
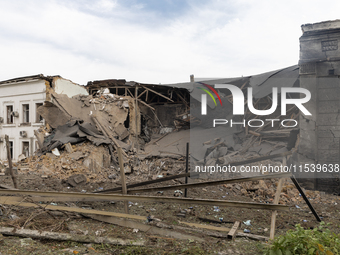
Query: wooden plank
x=146 y=104
x=56 y=199
x=238 y=234
x=163 y=179
x=141 y=93
x=10 y=201
x=69 y=237
x=137 y=120
x=122 y=178
x=159 y=94
x=107 y=133
x=162 y=199
x=253 y=133
x=276 y=201
x=253 y=237
x=183 y=100
x=209 y=183
x=130 y=93
x=214 y=221
x=209 y=227
x=233 y=230
x=186 y=169
x=147 y=228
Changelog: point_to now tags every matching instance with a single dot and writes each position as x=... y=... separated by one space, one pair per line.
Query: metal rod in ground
x=186 y=170
x=297 y=185
x=9 y=158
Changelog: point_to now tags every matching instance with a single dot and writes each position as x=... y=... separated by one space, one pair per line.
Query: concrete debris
x=87 y=159
x=76 y=179
x=21 y=157
x=55 y=151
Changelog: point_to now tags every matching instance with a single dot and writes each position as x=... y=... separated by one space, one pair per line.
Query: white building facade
x=19 y=100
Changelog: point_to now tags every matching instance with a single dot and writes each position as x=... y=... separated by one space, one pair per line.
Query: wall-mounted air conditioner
x=23 y=133
x=15 y=114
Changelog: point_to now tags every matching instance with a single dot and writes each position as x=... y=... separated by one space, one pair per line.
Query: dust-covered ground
x=326 y=205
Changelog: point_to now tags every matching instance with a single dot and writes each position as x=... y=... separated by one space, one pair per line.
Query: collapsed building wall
x=319 y=73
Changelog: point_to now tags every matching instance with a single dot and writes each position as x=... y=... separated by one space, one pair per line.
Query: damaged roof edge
x=259 y=82
x=324 y=25
x=105 y=83
x=29 y=78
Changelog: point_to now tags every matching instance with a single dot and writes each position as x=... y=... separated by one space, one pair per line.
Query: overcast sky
x=153 y=41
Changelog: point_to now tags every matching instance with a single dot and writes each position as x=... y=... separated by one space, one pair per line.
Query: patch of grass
x=193 y=250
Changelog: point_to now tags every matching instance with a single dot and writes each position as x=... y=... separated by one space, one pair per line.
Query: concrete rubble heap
x=81 y=136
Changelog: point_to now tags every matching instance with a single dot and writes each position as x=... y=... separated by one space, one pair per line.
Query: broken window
x=25 y=113
x=25 y=148
x=38 y=117
x=9 y=114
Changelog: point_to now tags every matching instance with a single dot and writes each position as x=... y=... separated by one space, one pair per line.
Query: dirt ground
x=326 y=205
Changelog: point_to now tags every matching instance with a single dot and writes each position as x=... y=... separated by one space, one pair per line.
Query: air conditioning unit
x=15 y=114
x=1 y=120
x=23 y=133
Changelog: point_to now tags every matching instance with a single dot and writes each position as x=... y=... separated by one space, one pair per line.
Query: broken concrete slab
x=171 y=145
x=76 y=179
x=200 y=135
x=77 y=155
x=121 y=131
x=21 y=157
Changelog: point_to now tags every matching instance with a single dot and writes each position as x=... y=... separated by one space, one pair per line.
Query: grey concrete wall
x=320 y=133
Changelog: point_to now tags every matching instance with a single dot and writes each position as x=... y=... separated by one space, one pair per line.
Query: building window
x=25 y=148
x=38 y=117
x=26 y=113
x=9 y=114
x=11 y=148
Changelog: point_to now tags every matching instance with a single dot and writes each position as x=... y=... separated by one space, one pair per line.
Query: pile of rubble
x=85 y=158
x=94 y=162
x=264 y=191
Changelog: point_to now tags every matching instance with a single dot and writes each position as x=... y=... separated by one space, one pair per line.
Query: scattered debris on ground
x=71 y=189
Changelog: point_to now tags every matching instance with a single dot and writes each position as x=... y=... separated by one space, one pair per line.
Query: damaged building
x=149 y=121
x=158 y=106
x=319 y=73
x=19 y=100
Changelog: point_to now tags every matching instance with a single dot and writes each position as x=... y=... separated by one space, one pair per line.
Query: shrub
x=318 y=241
